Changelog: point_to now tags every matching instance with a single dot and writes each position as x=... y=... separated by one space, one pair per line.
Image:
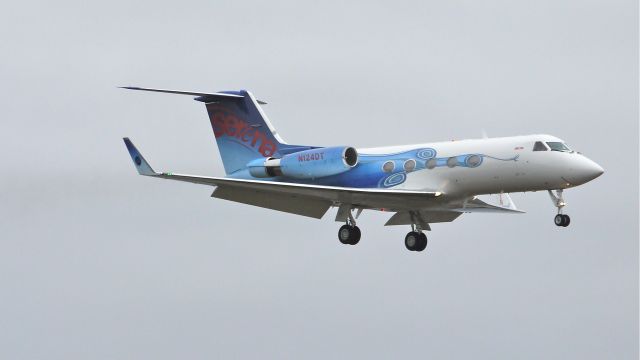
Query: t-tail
x=241 y=129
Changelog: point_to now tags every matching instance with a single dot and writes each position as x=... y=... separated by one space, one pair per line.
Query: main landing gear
x=415 y=241
x=558 y=201
x=349 y=234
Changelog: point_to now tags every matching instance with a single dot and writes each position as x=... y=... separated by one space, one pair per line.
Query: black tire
x=345 y=234
x=412 y=241
x=566 y=220
x=559 y=220
x=355 y=235
x=423 y=242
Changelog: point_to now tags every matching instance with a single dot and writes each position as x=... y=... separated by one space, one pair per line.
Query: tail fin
x=241 y=129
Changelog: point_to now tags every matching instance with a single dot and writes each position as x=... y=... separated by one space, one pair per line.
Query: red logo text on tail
x=226 y=123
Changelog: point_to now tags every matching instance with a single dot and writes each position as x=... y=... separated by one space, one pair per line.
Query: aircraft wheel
x=349 y=235
x=562 y=220
x=558 y=220
x=355 y=235
x=344 y=234
x=412 y=241
x=422 y=243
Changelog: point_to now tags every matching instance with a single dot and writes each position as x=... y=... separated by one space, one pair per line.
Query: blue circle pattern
x=400 y=177
x=369 y=172
x=394 y=179
x=426 y=154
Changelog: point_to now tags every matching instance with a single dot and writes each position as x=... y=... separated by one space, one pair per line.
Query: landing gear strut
x=558 y=201
x=415 y=240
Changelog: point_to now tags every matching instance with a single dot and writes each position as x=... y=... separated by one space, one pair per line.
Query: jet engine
x=308 y=164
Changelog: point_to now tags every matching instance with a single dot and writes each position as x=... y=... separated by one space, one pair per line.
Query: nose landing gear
x=558 y=201
x=562 y=220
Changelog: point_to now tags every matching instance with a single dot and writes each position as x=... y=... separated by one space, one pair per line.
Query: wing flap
x=421 y=217
x=497 y=203
x=293 y=204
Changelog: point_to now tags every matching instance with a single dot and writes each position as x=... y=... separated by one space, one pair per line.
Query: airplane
x=420 y=184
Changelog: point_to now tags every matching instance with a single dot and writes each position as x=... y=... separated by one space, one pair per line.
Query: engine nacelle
x=308 y=164
x=317 y=163
x=264 y=168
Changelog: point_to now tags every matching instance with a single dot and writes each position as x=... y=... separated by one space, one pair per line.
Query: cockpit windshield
x=539 y=146
x=558 y=146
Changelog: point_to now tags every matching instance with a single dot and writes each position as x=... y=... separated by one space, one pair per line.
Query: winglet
x=141 y=164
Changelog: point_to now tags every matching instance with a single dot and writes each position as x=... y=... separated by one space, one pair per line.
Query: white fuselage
x=511 y=165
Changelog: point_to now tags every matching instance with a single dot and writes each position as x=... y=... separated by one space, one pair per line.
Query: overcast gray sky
x=99 y=263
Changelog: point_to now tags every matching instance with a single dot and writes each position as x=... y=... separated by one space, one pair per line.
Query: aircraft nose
x=596 y=170
x=585 y=170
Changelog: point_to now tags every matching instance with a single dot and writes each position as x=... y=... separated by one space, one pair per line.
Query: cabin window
x=539 y=146
x=558 y=146
x=409 y=165
x=388 y=166
x=452 y=162
x=431 y=163
x=473 y=161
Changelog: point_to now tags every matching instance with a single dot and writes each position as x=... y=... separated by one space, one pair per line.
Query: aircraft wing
x=497 y=203
x=302 y=199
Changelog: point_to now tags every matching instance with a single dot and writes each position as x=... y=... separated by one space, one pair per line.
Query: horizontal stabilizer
x=205 y=97
x=181 y=92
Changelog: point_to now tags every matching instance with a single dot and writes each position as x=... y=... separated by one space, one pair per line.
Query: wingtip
x=141 y=164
